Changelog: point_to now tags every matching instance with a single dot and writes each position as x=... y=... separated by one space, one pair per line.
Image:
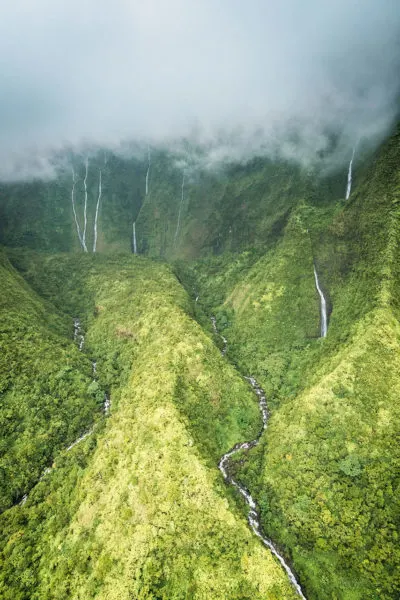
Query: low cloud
x=239 y=78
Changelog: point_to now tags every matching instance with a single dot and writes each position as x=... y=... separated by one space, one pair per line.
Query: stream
x=79 y=339
x=253 y=517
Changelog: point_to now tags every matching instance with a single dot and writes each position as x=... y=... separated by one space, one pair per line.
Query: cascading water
x=215 y=328
x=80 y=439
x=180 y=207
x=324 y=316
x=85 y=206
x=79 y=339
x=97 y=214
x=134 y=244
x=148 y=169
x=78 y=335
x=253 y=517
x=78 y=229
x=350 y=175
x=107 y=403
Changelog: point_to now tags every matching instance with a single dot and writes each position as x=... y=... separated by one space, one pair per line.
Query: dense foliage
x=45 y=386
x=327 y=472
x=143 y=512
x=138 y=508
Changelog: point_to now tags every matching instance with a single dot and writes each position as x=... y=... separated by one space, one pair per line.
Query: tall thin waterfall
x=134 y=238
x=85 y=207
x=97 y=214
x=148 y=169
x=350 y=175
x=178 y=225
x=324 y=316
x=78 y=229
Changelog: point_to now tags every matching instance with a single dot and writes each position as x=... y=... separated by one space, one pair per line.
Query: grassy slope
x=145 y=513
x=329 y=464
x=45 y=396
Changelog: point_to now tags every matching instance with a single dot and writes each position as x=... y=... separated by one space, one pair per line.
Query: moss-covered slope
x=45 y=395
x=329 y=462
x=142 y=511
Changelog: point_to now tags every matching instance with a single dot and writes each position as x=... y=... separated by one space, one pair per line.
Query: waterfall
x=80 y=439
x=324 y=317
x=79 y=339
x=223 y=338
x=180 y=207
x=148 y=170
x=350 y=175
x=134 y=237
x=97 y=214
x=78 y=229
x=85 y=208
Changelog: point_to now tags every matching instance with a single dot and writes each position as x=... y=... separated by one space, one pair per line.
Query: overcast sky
x=104 y=71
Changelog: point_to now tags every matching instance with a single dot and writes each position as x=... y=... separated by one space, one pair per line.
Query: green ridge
x=139 y=509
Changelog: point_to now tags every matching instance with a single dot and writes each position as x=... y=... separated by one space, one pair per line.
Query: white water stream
x=78 y=229
x=324 y=316
x=79 y=338
x=215 y=328
x=148 y=169
x=134 y=237
x=85 y=206
x=350 y=175
x=97 y=214
x=254 y=515
x=178 y=225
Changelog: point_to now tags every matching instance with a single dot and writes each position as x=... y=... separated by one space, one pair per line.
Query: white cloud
x=101 y=71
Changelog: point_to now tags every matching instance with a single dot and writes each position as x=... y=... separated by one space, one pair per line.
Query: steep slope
x=40 y=214
x=46 y=398
x=180 y=209
x=142 y=511
x=329 y=463
x=325 y=474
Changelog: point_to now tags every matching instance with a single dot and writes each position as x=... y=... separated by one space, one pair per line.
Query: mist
x=238 y=78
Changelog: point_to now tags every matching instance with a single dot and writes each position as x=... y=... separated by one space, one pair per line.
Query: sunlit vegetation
x=327 y=473
x=45 y=394
x=139 y=509
x=143 y=512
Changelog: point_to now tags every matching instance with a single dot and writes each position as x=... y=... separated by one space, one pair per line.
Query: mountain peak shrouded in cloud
x=102 y=72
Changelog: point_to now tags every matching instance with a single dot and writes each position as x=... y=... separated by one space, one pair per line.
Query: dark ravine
x=253 y=517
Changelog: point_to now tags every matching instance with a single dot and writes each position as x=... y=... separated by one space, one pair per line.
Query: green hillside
x=138 y=509
x=327 y=474
x=46 y=395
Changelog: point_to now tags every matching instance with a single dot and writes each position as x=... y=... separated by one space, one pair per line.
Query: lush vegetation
x=46 y=392
x=39 y=214
x=139 y=509
x=327 y=472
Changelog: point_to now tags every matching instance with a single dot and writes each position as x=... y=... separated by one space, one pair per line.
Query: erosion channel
x=79 y=339
x=253 y=515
